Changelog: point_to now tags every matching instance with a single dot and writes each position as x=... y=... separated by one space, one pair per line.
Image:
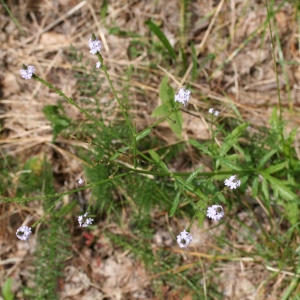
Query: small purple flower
x=23 y=233
x=84 y=221
x=232 y=182
x=215 y=212
x=183 y=96
x=184 y=239
x=95 y=46
x=98 y=65
x=27 y=71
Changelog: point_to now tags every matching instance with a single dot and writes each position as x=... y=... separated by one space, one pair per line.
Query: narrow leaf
x=276 y=168
x=265 y=158
x=175 y=204
x=280 y=186
x=118 y=153
x=232 y=138
x=229 y=164
x=155 y=29
x=200 y=146
x=143 y=133
x=158 y=162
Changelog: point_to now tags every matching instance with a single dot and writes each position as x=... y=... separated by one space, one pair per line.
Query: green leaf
x=155 y=29
x=161 y=110
x=143 y=133
x=59 y=122
x=183 y=185
x=200 y=146
x=166 y=93
x=175 y=204
x=158 y=162
x=230 y=164
x=232 y=138
x=255 y=187
x=292 y=210
x=265 y=158
x=118 y=153
x=192 y=176
x=265 y=189
x=6 y=289
x=281 y=187
x=175 y=121
x=276 y=168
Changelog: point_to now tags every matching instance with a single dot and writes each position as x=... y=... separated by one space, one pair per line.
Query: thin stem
x=72 y=102
x=103 y=67
x=274 y=59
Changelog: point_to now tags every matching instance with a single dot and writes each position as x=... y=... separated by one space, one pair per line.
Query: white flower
x=23 y=233
x=80 y=181
x=214 y=112
x=84 y=221
x=184 y=239
x=95 y=46
x=98 y=65
x=232 y=182
x=28 y=72
x=183 y=96
x=215 y=212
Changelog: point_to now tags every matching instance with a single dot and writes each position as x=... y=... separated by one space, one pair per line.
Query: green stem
x=72 y=102
x=103 y=67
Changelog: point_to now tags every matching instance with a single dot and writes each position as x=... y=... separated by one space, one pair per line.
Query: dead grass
x=242 y=74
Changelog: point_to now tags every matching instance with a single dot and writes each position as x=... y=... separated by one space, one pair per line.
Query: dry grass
x=241 y=75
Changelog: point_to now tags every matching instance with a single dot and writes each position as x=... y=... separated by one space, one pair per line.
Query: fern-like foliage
x=53 y=248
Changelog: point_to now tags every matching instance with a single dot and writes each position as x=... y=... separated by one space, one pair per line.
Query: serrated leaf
x=228 y=163
x=280 y=186
x=232 y=138
x=194 y=174
x=155 y=29
x=184 y=184
x=175 y=204
x=265 y=189
x=200 y=146
x=143 y=133
x=276 y=168
x=265 y=158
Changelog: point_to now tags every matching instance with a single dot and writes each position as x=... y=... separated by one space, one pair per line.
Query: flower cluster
x=183 y=96
x=184 y=239
x=23 y=233
x=232 y=182
x=84 y=221
x=95 y=46
x=27 y=71
x=214 y=112
x=215 y=212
